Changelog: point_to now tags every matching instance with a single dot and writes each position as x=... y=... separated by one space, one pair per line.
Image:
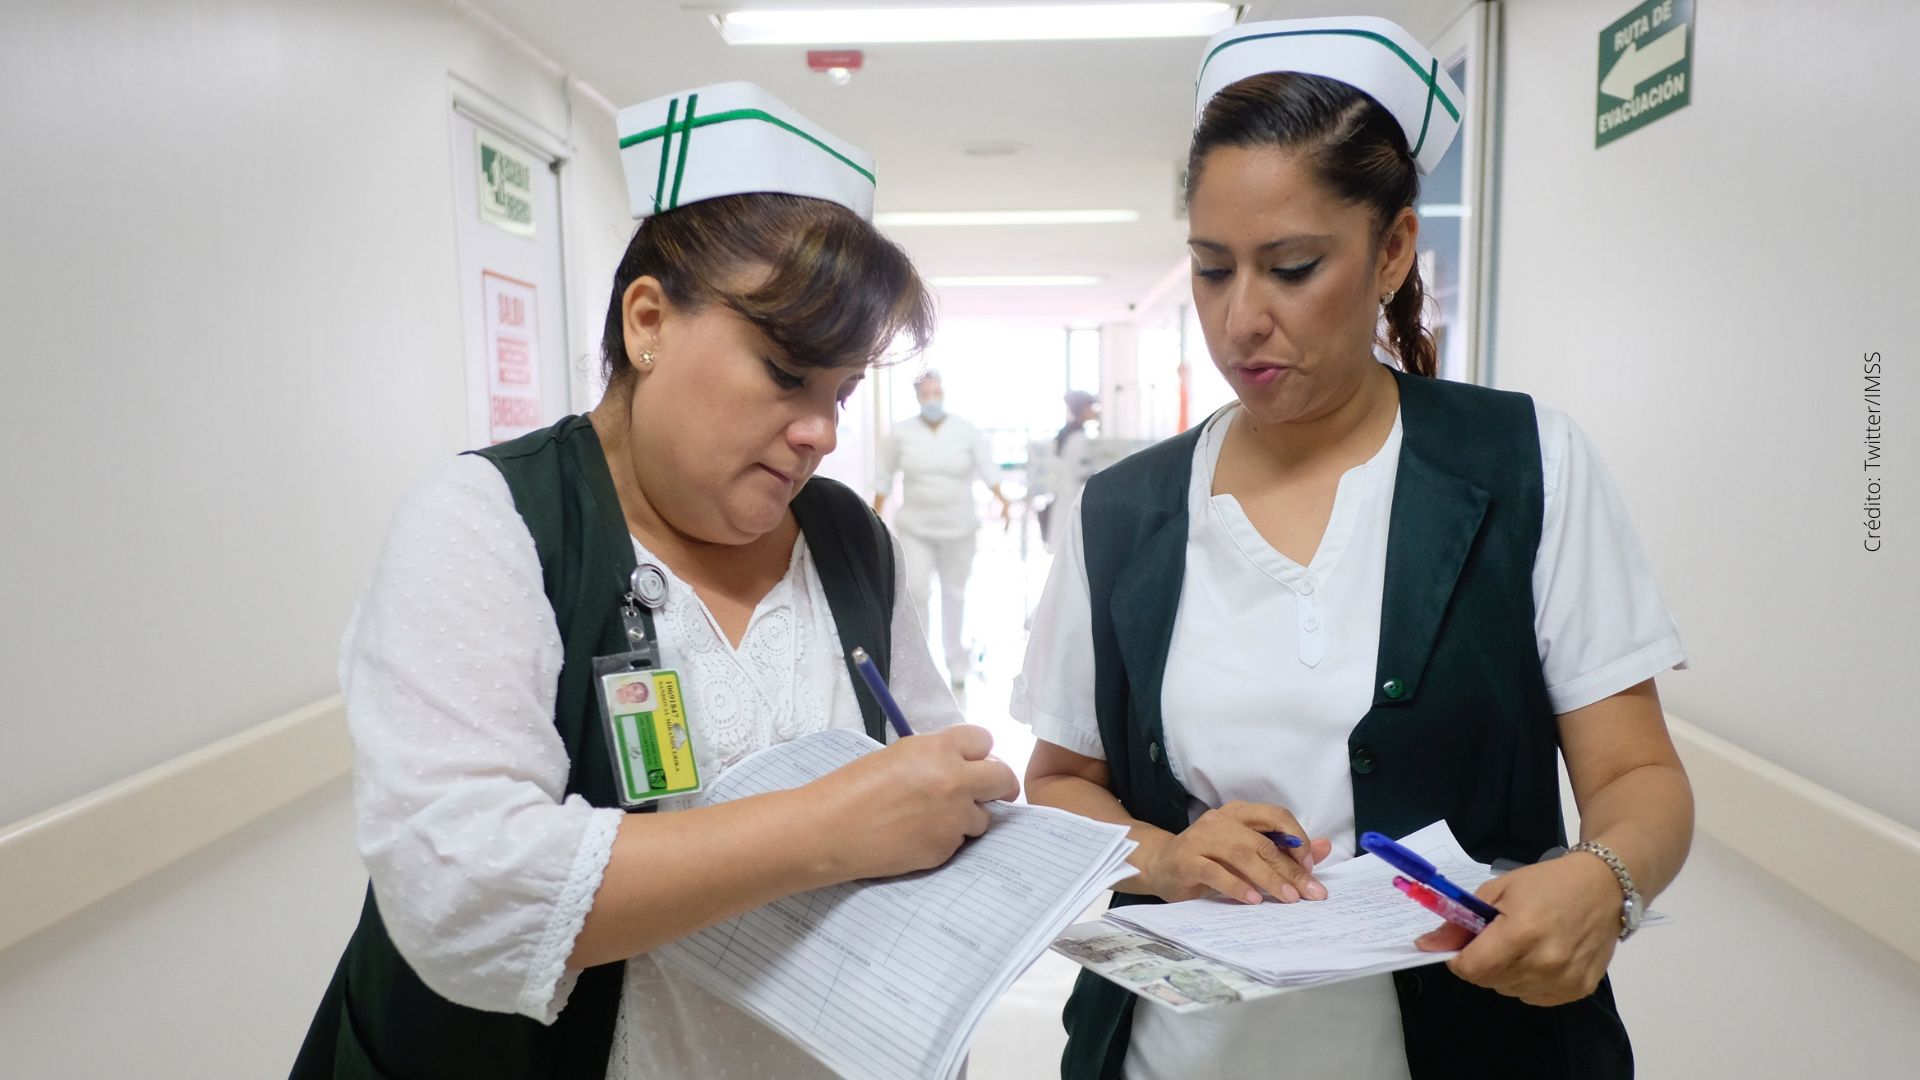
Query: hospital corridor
x=999 y=539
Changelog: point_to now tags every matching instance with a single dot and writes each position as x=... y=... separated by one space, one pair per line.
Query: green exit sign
x=1646 y=68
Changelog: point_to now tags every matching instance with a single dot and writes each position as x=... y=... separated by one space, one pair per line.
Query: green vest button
x=1154 y=752
x=1394 y=688
x=1364 y=760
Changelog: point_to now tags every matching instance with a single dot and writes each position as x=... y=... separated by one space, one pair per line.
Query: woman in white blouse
x=1356 y=599
x=507 y=886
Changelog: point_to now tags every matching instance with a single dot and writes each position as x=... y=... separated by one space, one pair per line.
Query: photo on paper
x=1160 y=972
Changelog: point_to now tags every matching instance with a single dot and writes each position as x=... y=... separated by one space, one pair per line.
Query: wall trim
x=1856 y=863
x=1861 y=865
x=61 y=860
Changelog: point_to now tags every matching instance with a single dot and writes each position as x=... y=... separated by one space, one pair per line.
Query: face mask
x=933 y=411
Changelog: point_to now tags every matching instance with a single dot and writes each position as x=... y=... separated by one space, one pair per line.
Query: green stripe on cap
x=660 y=185
x=686 y=136
x=1426 y=117
x=668 y=129
x=1432 y=81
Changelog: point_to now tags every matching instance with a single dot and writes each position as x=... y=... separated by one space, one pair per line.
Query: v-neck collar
x=1355 y=485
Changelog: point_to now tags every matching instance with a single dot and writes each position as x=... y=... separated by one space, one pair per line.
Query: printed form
x=1365 y=926
x=890 y=977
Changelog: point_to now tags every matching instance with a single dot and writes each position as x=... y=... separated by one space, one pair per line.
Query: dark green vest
x=378 y=1020
x=1460 y=727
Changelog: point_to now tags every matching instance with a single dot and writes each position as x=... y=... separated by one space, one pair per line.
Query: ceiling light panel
x=1014 y=281
x=980 y=218
x=977 y=22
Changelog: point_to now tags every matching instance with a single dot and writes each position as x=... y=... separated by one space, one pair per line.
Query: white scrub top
x=1271 y=666
x=937 y=468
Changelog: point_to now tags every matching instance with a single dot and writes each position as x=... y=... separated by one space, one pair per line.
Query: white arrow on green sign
x=1646 y=68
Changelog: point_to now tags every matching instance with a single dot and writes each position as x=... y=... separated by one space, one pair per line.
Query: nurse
x=1357 y=598
x=530 y=592
x=939 y=456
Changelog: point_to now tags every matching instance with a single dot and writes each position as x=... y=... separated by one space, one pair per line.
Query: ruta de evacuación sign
x=1646 y=68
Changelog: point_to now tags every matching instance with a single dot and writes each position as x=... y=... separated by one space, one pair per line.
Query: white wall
x=1698 y=294
x=233 y=340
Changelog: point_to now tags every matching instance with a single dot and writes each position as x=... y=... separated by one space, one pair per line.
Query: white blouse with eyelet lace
x=483 y=871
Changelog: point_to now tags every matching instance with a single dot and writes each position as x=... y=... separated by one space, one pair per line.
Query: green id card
x=647 y=733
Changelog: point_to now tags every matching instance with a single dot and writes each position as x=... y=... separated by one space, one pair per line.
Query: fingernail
x=1253 y=896
x=1289 y=894
x=1316 y=891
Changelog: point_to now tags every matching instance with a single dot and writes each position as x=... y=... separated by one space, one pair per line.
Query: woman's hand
x=910 y=806
x=1558 y=924
x=1224 y=852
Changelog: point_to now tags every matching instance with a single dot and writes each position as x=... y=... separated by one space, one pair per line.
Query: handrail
x=1861 y=865
x=61 y=860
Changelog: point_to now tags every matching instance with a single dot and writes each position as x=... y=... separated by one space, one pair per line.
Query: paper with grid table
x=890 y=977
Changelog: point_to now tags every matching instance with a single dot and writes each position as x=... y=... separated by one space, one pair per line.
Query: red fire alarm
x=847 y=60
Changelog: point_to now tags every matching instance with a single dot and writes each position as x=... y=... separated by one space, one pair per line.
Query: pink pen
x=1454 y=913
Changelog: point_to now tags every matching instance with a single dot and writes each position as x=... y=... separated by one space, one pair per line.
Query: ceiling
x=1105 y=123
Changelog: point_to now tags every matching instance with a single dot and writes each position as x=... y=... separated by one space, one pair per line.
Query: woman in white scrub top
x=939 y=456
x=1356 y=598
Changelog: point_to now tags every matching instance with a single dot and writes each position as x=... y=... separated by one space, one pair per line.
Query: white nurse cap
x=1374 y=56
x=734 y=139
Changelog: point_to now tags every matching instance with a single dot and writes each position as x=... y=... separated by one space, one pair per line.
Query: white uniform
x=483 y=872
x=1272 y=664
x=936 y=521
x=1072 y=467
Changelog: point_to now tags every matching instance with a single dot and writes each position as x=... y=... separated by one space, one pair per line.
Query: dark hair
x=839 y=292
x=1353 y=145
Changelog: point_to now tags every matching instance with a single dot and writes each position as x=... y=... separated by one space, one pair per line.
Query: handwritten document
x=890 y=977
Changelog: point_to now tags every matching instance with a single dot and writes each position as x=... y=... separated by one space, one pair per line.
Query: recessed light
x=1014 y=281
x=977 y=218
x=976 y=22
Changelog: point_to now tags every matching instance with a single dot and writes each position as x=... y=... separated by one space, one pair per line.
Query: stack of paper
x=890 y=977
x=1224 y=951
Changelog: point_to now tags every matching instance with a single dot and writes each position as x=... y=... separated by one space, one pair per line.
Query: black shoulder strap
x=854 y=554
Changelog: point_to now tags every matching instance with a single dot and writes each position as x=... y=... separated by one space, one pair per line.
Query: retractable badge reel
x=641 y=706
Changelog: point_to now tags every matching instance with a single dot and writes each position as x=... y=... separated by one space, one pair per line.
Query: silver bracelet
x=1632 y=908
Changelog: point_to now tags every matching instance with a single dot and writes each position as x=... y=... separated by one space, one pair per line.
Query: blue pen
x=881 y=694
x=1422 y=871
x=1283 y=839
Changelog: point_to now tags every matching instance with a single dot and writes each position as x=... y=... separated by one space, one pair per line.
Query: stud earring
x=1386 y=298
x=646 y=360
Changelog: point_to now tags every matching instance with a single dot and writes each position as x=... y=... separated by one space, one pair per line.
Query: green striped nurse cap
x=734 y=139
x=1374 y=56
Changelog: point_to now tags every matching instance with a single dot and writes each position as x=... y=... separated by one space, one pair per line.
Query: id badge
x=646 y=723
x=642 y=708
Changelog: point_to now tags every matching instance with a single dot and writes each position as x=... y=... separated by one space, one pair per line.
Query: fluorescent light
x=1014 y=281
x=996 y=22
x=1440 y=210
x=918 y=218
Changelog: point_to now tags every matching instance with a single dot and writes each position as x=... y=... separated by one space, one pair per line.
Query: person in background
x=1072 y=462
x=938 y=457
x=1358 y=598
x=519 y=882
